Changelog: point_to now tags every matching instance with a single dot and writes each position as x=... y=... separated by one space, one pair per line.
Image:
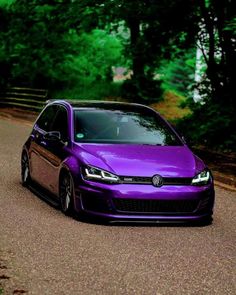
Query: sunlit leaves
x=93 y=56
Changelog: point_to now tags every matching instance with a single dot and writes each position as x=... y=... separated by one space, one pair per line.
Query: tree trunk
x=219 y=67
x=136 y=49
x=211 y=62
x=224 y=10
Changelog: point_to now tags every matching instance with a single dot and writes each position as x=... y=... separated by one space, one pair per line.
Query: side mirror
x=53 y=136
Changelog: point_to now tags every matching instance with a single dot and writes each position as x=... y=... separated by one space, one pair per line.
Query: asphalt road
x=44 y=252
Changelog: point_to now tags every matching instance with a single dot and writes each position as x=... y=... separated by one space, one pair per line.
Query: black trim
x=148 y=180
x=155 y=206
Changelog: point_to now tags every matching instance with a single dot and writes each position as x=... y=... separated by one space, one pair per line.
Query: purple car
x=118 y=161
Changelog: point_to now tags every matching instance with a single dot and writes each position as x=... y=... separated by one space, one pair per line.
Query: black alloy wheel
x=66 y=194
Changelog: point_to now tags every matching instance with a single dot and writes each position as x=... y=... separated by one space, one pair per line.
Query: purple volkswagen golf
x=118 y=161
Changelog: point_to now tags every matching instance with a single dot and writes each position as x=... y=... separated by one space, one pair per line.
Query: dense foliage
x=70 y=47
x=40 y=49
x=213 y=121
x=178 y=74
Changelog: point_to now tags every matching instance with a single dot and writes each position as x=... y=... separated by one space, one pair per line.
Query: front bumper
x=136 y=202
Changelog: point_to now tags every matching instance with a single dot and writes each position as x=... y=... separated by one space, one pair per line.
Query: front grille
x=135 y=179
x=155 y=206
x=148 y=180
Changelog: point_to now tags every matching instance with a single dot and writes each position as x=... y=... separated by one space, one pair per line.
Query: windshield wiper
x=153 y=144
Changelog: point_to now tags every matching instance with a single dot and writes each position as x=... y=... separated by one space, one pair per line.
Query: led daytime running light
x=99 y=174
x=202 y=178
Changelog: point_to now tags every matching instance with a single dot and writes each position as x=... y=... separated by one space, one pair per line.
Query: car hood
x=141 y=160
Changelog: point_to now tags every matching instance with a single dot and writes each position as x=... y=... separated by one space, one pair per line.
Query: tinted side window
x=61 y=123
x=46 y=118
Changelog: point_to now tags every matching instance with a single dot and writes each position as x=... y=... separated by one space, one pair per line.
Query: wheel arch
x=72 y=166
x=64 y=170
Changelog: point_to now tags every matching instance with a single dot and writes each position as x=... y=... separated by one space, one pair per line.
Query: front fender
x=72 y=165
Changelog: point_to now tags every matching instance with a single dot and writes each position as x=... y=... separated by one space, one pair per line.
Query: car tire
x=25 y=169
x=66 y=194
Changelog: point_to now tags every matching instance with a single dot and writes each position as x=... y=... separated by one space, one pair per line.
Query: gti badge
x=157 y=180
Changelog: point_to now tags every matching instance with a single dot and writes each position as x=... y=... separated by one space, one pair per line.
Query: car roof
x=110 y=105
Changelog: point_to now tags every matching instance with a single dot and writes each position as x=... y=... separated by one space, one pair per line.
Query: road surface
x=43 y=252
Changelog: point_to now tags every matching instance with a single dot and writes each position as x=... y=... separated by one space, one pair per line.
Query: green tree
x=156 y=31
x=93 y=56
x=45 y=47
x=216 y=38
x=213 y=121
x=34 y=47
x=178 y=74
x=5 y=69
x=88 y=71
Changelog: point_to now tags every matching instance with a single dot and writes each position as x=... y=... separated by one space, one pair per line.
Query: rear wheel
x=66 y=194
x=25 y=170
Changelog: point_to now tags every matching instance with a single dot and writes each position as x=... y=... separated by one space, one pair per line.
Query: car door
x=51 y=153
x=55 y=151
x=36 y=150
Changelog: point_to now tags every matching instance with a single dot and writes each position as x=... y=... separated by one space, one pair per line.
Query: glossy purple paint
x=133 y=160
x=141 y=160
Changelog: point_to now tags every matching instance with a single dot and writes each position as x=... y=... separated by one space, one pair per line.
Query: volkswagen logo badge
x=157 y=180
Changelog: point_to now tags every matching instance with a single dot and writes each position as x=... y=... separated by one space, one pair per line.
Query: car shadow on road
x=43 y=195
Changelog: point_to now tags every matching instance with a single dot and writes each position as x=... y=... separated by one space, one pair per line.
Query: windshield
x=122 y=126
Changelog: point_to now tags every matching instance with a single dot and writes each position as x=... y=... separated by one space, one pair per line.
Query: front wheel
x=66 y=194
x=25 y=170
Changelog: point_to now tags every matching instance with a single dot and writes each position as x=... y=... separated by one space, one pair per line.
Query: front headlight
x=202 y=178
x=96 y=174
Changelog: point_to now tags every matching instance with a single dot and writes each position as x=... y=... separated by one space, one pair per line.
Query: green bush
x=96 y=91
x=146 y=91
x=210 y=124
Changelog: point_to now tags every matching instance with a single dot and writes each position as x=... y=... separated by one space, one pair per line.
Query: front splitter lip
x=148 y=218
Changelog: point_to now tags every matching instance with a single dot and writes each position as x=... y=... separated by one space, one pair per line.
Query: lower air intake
x=155 y=206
